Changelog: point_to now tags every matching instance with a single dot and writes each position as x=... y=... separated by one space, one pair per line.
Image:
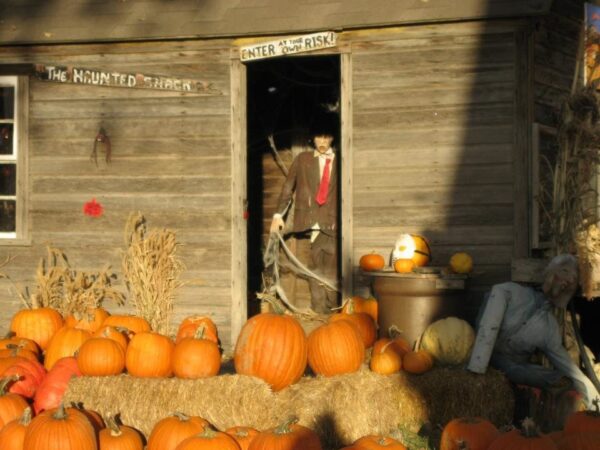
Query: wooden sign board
x=288 y=46
x=96 y=77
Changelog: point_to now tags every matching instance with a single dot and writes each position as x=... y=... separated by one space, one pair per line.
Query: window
x=13 y=170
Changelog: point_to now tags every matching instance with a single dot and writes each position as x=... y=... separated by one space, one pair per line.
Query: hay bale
x=340 y=409
x=224 y=401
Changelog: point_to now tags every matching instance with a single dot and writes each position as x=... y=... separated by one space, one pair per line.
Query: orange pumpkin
x=21 y=343
x=272 y=347
x=169 y=432
x=386 y=361
x=21 y=352
x=335 y=348
x=12 y=435
x=242 y=435
x=526 y=439
x=374 y=442
x=288 y=436
x=364 y=323
x=190 y=325
x=119 y=437
x=99 y=357
x=38 y=324
x=134 y=324
x=149 y=354
x=11 y=405
x=196 y=357
x=209 y=439
x=473 y=433
x=60 y=428
x=64 y=343
x=404 y=265
x=579 y=441
x=358 y=304
x=584 y=421
x=119 y=335
x=371 y=262
x=398 y=344
x=417 y=362
x=90 y=321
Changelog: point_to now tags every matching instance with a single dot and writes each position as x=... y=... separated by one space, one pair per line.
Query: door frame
x=239 y=152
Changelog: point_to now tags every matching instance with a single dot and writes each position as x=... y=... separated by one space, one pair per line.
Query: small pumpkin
x=196 y=357
x=21 y=343
x=209 y=439
x=417 y=362
x=528 y=438
x=287 y=436
x=65 y=342
x=376 y=442
x=272 y=347
x=100 y=357
x=117 y=334
x=20 y=351
x=358 y=304
x=404 y=265
x=149 y=354
x=90 y=321
x=364 y=323
x=335 y=348
x=371 y=262
x=11 y=405
x=37 y=324
x=449 y=341
x=242 y=435
x=386 y=360
x=119 y=437
x=474 y=433
x=169 y=432
x=67 y=429
x=399 y=344
x=12 y=435
x=135 y=324
x=461 y=262
x=189 y=326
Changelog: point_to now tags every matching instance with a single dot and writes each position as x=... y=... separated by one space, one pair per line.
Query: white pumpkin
x=449 y=341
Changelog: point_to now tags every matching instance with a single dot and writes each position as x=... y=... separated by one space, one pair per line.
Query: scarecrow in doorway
x=517 y=320
x=314 y=180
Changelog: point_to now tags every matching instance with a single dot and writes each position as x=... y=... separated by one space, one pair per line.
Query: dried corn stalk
x=151 y=269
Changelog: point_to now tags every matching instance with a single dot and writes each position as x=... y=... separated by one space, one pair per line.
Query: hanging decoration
x=93 y=208
x=103 y=141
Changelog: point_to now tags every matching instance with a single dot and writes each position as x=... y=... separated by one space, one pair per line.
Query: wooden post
x=346 y=175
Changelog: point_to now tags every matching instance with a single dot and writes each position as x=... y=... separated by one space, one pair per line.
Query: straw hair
x=151 y=269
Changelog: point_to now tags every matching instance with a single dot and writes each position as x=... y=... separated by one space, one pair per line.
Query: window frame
x=21 y=235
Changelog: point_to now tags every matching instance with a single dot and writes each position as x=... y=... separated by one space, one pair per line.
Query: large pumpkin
x=38 y=324
x=473 y=433
x=149 y=354
x=60 y=428
x=584 y=421
x=449 y=341
x=412 y=246
x=190 y=325
x=30 y=375
x=526 y=439
x=335 y=348
x=364 y=323
x=375 y=442
x=209 y=439
x=242 y=435
x=272 y=347
x=169 y=432
x=196 y=357
x=99 y=357
x=579 y=441
x=358 y=304
x=288 y=436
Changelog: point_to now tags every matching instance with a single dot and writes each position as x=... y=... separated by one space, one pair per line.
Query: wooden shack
x=438 y=102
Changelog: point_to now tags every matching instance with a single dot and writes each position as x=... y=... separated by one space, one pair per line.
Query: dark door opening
x=284 y=95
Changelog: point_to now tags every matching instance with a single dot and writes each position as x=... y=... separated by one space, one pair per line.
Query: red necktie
x=324 y=186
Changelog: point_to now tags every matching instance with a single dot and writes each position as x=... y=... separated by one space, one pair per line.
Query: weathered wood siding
x=171 y=161
x=434 y=135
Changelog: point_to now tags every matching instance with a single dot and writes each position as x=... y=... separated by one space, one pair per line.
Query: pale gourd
x=449 y=341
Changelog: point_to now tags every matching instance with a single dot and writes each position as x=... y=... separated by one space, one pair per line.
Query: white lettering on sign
x=288 y=46
x=77 y=75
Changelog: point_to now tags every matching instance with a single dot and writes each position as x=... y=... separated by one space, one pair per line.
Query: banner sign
x=288 y=46
x=111 y=78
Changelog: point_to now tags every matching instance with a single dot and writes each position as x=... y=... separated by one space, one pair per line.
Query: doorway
x=284 y=97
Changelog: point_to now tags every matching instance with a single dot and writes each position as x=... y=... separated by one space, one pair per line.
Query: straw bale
x=224 y=401
x=340 y=409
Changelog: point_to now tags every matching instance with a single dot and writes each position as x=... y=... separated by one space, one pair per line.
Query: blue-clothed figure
x=517 y=320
